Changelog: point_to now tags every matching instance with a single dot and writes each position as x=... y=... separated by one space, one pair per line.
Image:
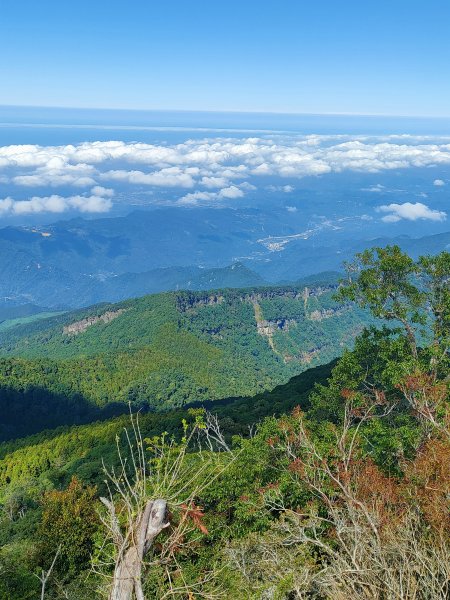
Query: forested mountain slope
x=166 y=350
x=348 y=491
x=80 y=450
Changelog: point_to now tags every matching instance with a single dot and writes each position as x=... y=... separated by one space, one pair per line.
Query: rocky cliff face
x=188 y=301
x=80 y=326
x=270 y=327
x=290 y=320
x=327 y=313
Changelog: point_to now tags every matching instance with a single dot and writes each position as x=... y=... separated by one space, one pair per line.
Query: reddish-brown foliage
x=427 y=482
x=377 y=491
x=297 y=466
x=270 y=486
x=297 y=413
x=196 y=515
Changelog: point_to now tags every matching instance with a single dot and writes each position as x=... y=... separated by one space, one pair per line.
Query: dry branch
x=131 y=552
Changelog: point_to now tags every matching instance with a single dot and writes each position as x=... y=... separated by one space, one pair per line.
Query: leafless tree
x=45 y=575
x=357 y=538
x=143 y=493
x=211 y=433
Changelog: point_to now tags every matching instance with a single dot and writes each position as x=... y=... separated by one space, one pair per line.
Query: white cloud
x=6 y=205
x=98 y=190
x=223 y=167
x=248 y=187
x=410 y=212
x=89 y=204
x=438 y=182
x=192 y=198
x=52 y=180
x=55 y=204
x=214 y=182
x=56 y=173
x=231 y=192
x=291 y=209
x=169 y=177
x=375 y=189
x=287 y=189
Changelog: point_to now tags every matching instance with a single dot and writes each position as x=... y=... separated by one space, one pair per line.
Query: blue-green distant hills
x=82 y=262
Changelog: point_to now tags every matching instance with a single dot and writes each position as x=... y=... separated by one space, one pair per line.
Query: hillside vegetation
x=346 y=496
x=59 y=454
x=165 y=350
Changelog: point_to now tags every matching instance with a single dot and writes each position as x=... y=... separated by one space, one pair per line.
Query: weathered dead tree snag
x=141 y=494
x=132 y=549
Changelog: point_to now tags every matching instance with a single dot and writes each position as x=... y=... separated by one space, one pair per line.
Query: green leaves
x=413 y=294
x=69 y=521
x=382 y=279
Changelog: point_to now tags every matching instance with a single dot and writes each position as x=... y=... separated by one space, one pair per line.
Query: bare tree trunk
x=127 y=574
x=46 y=574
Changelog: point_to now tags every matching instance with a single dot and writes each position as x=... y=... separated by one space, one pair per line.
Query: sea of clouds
x=206 y=170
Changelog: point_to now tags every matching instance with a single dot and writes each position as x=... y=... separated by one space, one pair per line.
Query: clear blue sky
x=365 y=56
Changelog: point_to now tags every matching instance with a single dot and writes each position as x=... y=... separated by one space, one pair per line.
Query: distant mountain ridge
x=81 y=262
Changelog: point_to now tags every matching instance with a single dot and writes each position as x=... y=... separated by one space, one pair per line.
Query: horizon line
x=229 y=111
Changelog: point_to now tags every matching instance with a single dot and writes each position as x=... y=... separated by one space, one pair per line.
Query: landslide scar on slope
x=264 y=327
x=81 y=326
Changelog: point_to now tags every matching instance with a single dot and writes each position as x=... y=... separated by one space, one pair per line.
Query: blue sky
x=366 y=57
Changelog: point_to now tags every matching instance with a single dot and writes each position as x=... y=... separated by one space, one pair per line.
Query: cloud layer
x=201 y=171
x=411 y=212
x=86 y=203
